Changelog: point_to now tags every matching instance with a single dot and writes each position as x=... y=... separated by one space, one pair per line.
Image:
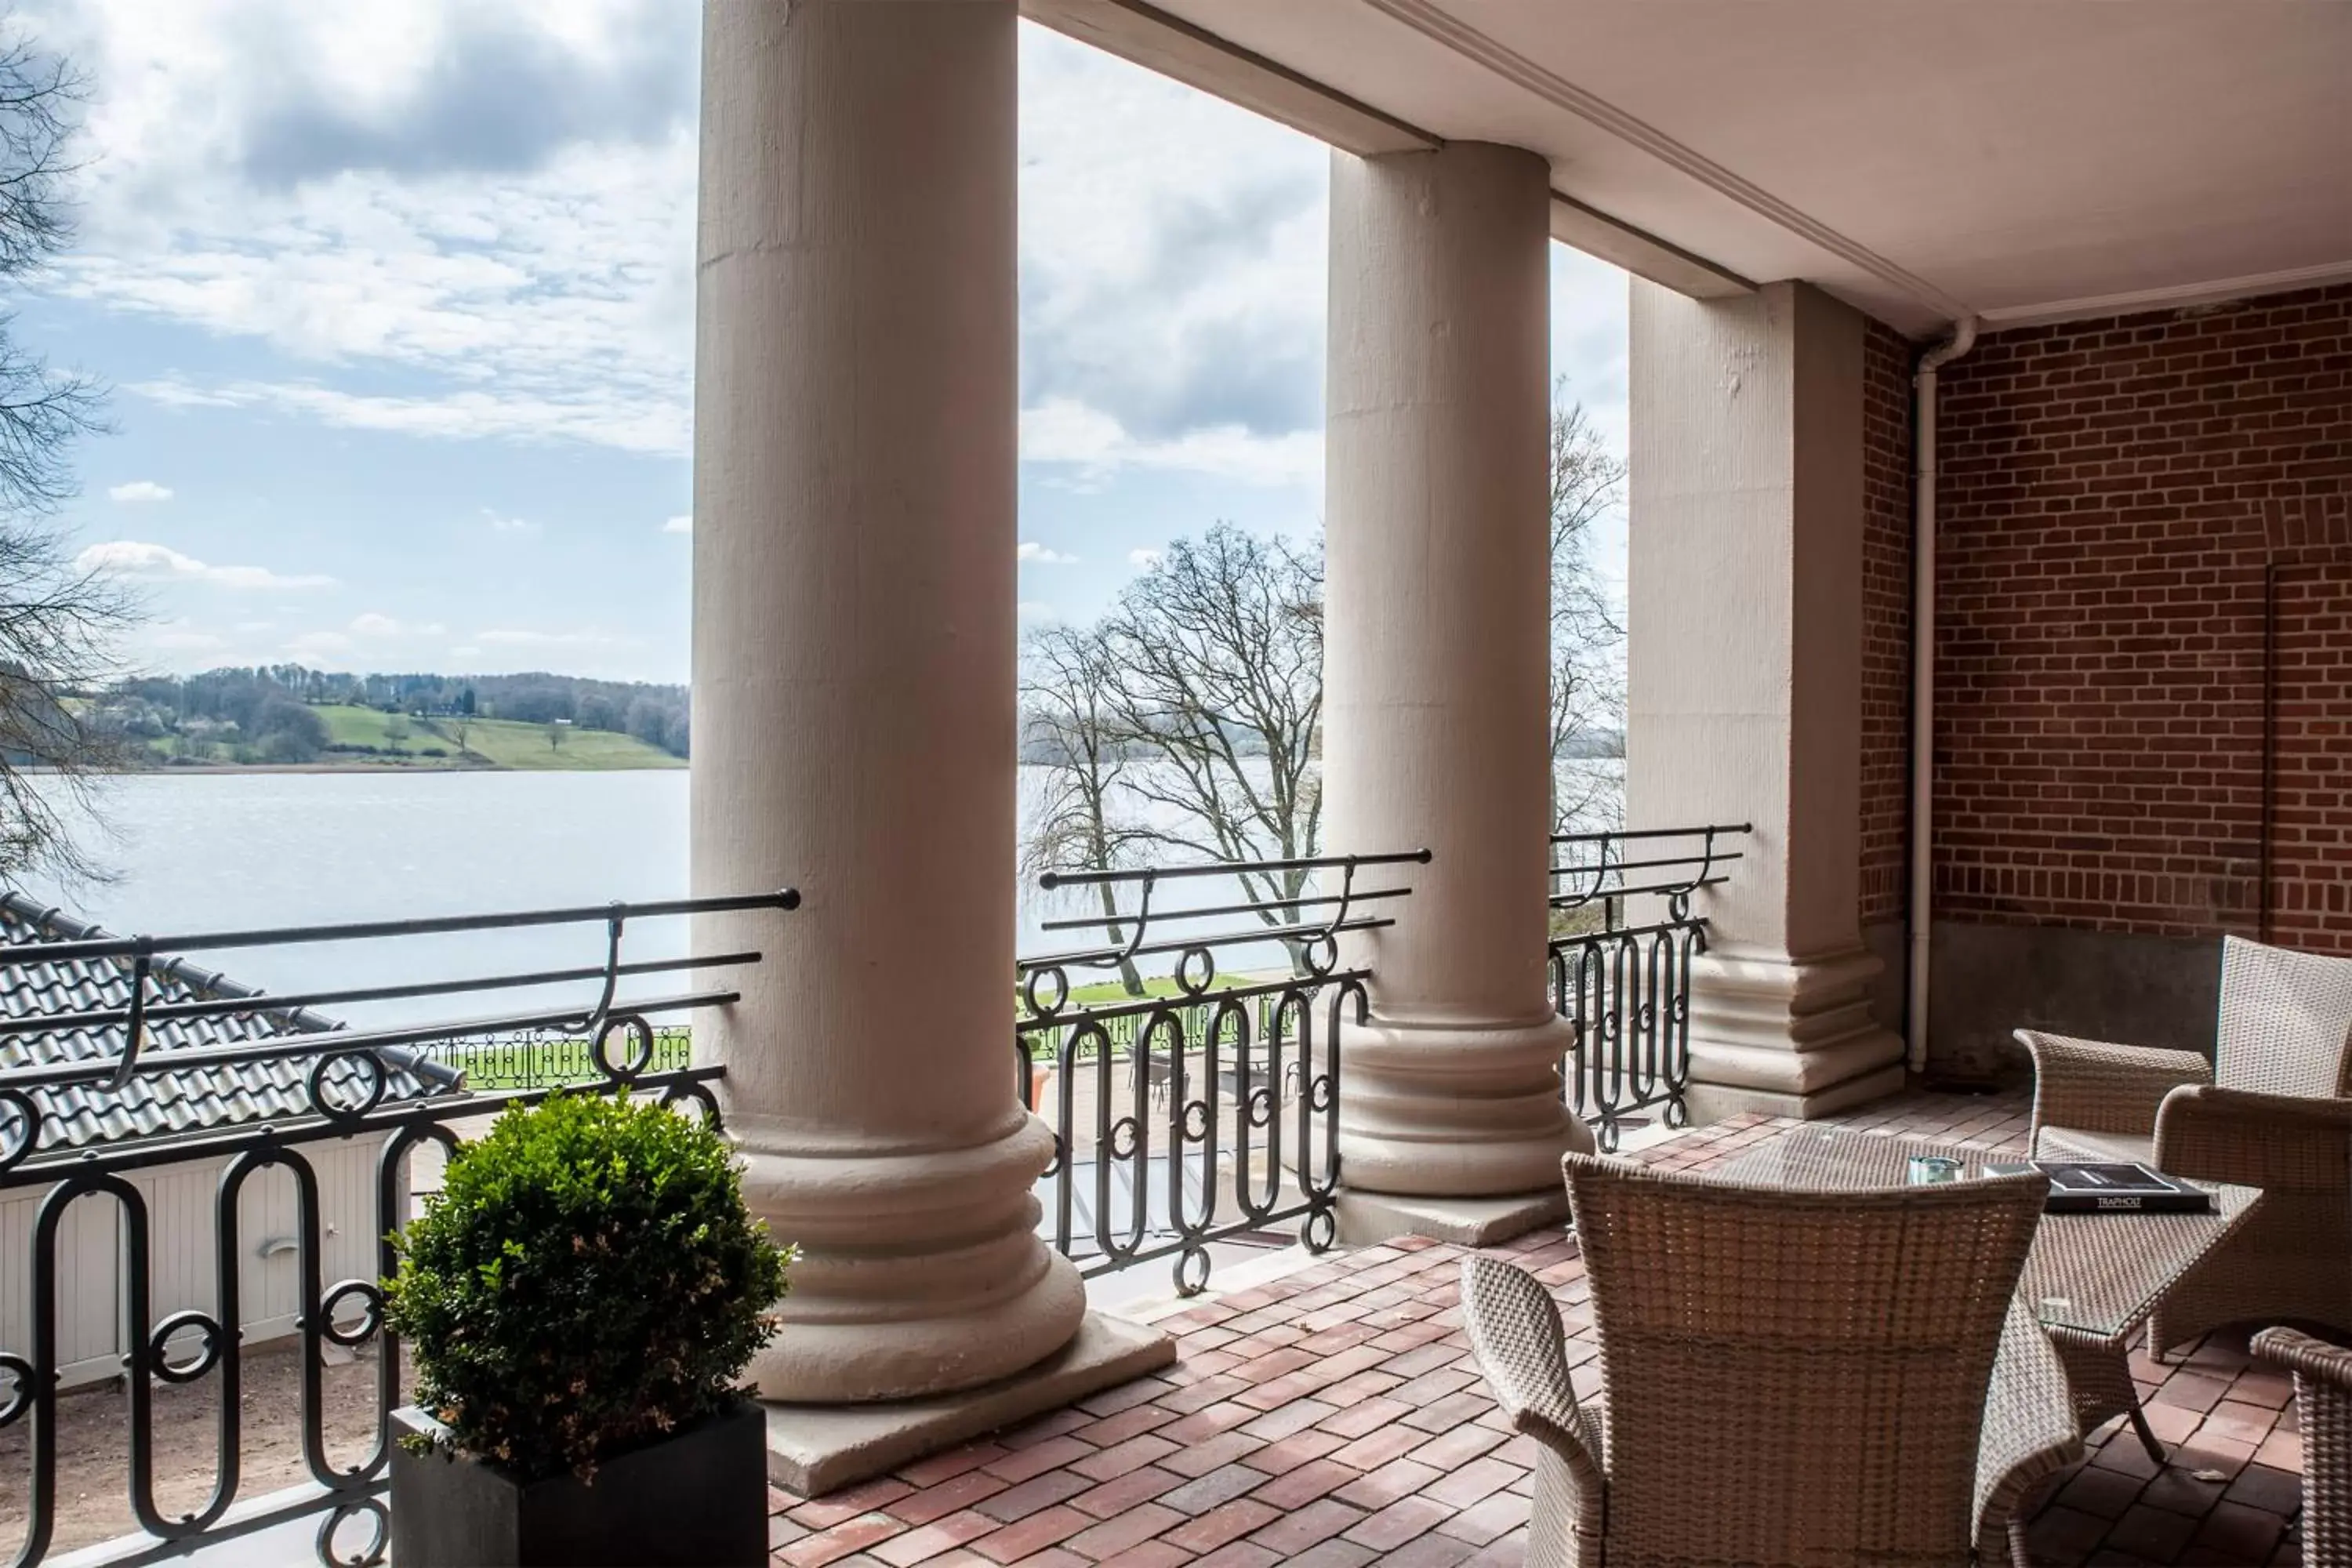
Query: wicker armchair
x=2322 y=1399
x=1788 y=1378
x=2274 y=1112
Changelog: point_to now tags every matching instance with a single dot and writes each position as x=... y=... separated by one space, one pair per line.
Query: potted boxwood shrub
x=580 y=1299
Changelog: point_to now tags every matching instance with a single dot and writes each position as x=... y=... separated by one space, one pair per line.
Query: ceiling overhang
x=2005 y=158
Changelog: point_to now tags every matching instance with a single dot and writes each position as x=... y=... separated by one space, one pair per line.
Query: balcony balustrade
x=300 y=1094
x=1624 y=935
x=1209 y=1111
x=1196 y=1110
x=1200 y=1114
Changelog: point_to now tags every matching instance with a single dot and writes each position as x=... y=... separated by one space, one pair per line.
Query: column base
x=1366 y=1219
x=1445 y=1111
x=918 y=1274
x=1713 y=1102
x=816 y=1449
x=1791 y=1038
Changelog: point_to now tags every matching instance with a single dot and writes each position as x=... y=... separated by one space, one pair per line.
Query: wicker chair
x=1788 y=1378
x=2322 y=1399
x=2273 y=1112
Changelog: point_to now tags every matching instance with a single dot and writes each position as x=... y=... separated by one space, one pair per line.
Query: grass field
x=513 y=745
x=1111 y=994
x=392 y=738
x=367 y=727
x=1045 y=1042
x=534 y=1064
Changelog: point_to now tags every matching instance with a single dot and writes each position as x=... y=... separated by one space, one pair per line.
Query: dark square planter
x=697 y=1498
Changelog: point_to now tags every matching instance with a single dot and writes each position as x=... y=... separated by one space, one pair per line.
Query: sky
x=396 y=304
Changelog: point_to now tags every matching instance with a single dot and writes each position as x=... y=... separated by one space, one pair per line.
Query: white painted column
x=1745 y=662
x=1436 y=660
x=854 y=727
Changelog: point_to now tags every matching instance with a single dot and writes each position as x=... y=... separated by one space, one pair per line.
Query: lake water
x=201 y=852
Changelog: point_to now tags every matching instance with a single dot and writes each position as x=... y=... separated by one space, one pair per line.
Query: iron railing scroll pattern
x=404 y=1087
x=1208 y=1108
x=1623 y=936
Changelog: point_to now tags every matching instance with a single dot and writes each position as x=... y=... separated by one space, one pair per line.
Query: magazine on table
x=2107 y=1187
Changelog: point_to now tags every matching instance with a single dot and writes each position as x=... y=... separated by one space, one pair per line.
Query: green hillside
x=510 y=745
x=368 y=737
x=367 y=727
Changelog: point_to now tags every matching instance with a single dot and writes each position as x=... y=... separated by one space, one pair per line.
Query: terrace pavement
x=1332 y=1416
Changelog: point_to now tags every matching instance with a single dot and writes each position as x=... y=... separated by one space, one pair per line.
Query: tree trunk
x=1129 y=979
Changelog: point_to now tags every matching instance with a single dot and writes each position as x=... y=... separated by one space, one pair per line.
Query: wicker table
x=2091 y=1278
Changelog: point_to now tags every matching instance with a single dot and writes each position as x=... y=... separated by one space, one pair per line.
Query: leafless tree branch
x=1080 y=822
x=1188 y=721
x=59 y=626
x=1588 y=635
x=1218 y=655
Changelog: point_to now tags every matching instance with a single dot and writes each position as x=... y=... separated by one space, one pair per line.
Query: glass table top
x=2096 y=1273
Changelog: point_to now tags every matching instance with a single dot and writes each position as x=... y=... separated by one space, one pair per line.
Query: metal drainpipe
x=1923 y=680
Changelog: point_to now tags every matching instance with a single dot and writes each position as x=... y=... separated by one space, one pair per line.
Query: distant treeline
x=243 y=699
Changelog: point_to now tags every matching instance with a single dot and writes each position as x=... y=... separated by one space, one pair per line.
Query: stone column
x=1746 y=679
x=1436 y=660
x=854 y=709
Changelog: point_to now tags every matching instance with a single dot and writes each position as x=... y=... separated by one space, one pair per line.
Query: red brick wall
x=2311 y=781
x=1886 y=623
x=2111 y=493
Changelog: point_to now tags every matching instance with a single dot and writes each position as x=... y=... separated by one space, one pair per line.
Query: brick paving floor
x=1333 y=1417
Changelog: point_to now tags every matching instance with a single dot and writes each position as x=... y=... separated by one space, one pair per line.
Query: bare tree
x=59 y=624
x=1081 y=821
x=1588 y=635
x=1217 y=655
x=57 y=631
x=1190 y=720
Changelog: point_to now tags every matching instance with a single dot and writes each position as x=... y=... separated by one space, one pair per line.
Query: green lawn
x=1111 y=994
x=534 y=1064
x=367 y=727
x=1046 y=1042
x=513 y=745
x=392 y=738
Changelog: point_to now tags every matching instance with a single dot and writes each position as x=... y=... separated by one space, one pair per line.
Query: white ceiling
x=2016 y=159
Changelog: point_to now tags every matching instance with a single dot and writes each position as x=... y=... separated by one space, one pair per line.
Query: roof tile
x=75 y=1116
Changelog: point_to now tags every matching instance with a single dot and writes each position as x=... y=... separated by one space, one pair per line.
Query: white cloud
x=1147 y=559
x=469 y=219
x=371 y=623
x=319 y=645
x=464 y=414
x=1036 y=610
x=683 y=523
x=522 y=636
x=1032 y=550
x=413 y=189
x=183 y=635
x=1589 y=344
x=139 y=490
x=503 y=524
x=1172 y=251
x=1092 y=446
x=132 y=558
x=473 y=219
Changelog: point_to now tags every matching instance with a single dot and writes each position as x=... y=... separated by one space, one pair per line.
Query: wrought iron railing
x=1624 y=935
x=1208 y=1110
x=346 y=1111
